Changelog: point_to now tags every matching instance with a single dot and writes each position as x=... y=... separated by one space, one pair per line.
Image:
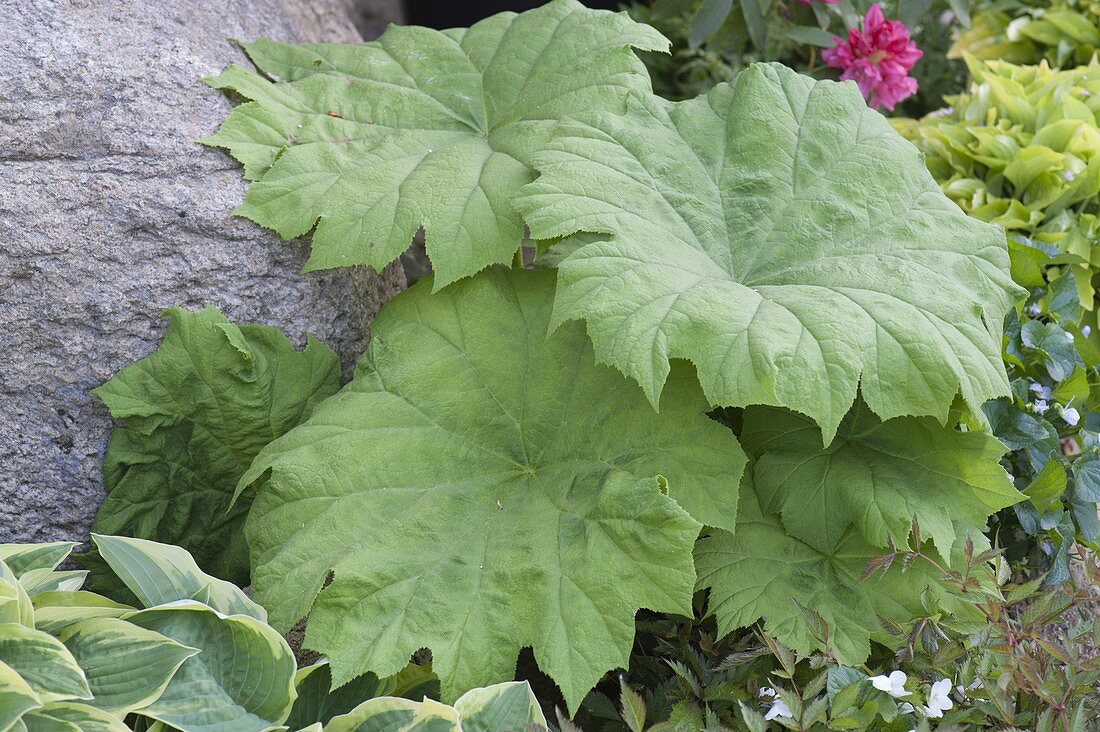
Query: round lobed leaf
x=479 y=488
x=421 y=128
x=782 y=237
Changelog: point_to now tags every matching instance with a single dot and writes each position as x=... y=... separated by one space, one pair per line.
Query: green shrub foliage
x=523 y=458
x=1021 y=148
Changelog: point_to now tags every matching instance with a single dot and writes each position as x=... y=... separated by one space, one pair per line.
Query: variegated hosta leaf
x=510 y=705
x=763 y=571
x=196 y=412
x=389 y=714
x=160 y=573
x=56 y=610
x=127 y=666
x=22 y=558
x=479 y=488
x=507 y=707
x=15 y=603
x=319 y=701
x=242 y=680
x=37 y=581
x=878 y=476
x=421 y=128
x=43 y=662
x=72 y=717
x=16 y=696
x=782 y=237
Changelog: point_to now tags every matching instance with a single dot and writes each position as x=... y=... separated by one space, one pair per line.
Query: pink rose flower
x=878 y=59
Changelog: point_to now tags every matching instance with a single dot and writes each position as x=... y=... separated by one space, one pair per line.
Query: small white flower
x=1033 y=310
x=766 y=693
x=938 y=701
x=1071 y=416
x=779 y=709
x=1040 y=406
x=1086 y=331
x=1069 y=176
x=906 y=708
x=1043 y=392
x=894 y=684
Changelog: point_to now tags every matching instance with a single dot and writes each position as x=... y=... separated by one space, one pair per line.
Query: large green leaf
x=421 y=128
x=45 y=664
x=16 y=696
x=479 y=488
x=782 y=237
x=159 y=574
x=241 y=681
x=761 y=570
x=879 y=476
x=127 y=666
x=196 y=412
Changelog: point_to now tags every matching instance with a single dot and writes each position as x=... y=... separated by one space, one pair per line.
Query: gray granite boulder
x=110 y=213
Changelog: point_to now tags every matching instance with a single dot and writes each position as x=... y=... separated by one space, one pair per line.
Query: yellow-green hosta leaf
x=481 y=487
x=506 y=707
x=16 y=696
x=389 y=714
x=319 y=702
x=196 y=412
x=421 y=128
x=57 y=609
x=782 y=237
x=242 y=679
x=127 y=666
x=22 y=558
x=15 y=603
x=878 y=476
x=44 y=663
x=763 y=570
x=37 y=581
x=160 y=573
x=72 y=717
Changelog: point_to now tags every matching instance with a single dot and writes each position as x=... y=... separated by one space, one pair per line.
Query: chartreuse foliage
x=1063 y=32
x=481 y=487
x=786 y=240
x=421 y=128
x=196 y=412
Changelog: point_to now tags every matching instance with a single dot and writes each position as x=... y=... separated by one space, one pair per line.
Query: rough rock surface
x=110 y=213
